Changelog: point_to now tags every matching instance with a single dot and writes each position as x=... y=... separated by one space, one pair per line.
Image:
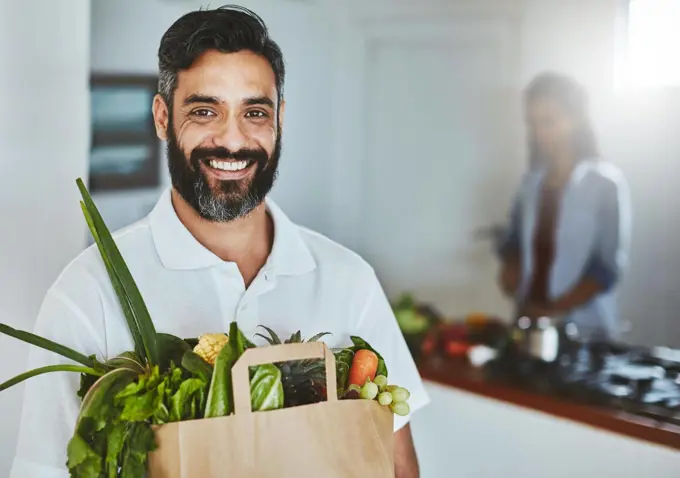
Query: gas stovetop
x=635 y=380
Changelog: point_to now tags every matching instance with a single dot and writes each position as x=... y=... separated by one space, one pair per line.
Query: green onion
x=48 y=369
x=47 y=345
x=135 y=310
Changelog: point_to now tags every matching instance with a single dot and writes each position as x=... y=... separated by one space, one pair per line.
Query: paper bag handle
x=275 y=354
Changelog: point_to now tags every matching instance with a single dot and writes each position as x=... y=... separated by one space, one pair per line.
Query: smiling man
x=215 y=248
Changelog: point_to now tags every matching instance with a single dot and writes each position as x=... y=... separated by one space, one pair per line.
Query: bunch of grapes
x=387 y=395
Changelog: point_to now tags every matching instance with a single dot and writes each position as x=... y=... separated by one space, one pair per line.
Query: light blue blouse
x=592 y=238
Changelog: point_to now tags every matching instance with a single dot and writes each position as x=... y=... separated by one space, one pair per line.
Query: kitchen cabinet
x=464 y=435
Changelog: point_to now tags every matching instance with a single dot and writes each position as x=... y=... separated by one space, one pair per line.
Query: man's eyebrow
x=212 y=100
x=259 y=100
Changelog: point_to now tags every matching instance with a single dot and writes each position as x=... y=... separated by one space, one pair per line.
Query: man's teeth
x=228 y=165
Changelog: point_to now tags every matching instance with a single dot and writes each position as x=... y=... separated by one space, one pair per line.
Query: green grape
x=385 y=398
x=391 y=388
x=400 y=408
x=400 y=394
x=354 y=387
x=381 y=382
x=369 y=391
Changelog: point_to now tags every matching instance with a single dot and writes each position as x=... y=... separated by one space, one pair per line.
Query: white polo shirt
x=308 y=283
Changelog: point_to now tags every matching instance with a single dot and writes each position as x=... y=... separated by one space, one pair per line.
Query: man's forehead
x=228 y=76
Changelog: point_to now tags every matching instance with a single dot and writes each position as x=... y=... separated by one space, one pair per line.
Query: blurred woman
x=567 y=243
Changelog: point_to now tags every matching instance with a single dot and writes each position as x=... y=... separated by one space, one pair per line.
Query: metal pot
x=544 y=339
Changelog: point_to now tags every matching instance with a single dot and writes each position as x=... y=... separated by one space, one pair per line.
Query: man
x=214 y=249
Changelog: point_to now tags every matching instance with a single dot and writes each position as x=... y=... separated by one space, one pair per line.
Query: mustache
x=257 y=155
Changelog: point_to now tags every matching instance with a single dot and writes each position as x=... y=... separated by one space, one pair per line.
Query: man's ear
x=282 y=110
x=161 y=117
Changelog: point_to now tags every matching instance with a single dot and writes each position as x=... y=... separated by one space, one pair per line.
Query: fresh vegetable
x=364 y=367
x=343 y=363
x=209 y=346
x=266 y=389
x=369 y=391
x=400 y=408
x=171 y=350
x=48 y=345
x=385 y=398
x=361 y=344
x=220 y=400
x=136 y=313
x=197 y=366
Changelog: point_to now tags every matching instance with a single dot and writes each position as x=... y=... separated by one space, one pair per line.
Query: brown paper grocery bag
x=336 y=438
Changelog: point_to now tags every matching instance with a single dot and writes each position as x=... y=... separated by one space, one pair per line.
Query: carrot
x=364 y=366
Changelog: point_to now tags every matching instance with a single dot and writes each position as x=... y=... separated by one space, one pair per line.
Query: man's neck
x=246 y=241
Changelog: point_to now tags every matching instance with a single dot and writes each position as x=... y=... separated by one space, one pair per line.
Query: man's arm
x=405 y=458
x=72 y=316
x=379 y=327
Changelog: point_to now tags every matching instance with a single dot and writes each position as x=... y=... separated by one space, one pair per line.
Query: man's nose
x=231 y=135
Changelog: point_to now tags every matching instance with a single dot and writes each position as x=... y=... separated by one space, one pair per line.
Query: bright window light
x=653 y=32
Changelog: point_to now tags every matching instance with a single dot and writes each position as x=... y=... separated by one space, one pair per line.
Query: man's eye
x=203 y=113
x=256 y=114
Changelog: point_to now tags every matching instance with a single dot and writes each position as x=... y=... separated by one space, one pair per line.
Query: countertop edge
x=464 y=377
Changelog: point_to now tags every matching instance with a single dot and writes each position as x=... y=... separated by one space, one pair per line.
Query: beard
x=229 y=199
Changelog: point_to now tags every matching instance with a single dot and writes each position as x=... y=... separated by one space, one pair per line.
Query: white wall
x=44 y=53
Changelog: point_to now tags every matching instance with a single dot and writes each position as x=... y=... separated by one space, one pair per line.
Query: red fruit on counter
x=456 y=348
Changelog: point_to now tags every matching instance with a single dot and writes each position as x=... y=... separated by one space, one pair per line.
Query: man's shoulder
x=329 y=253
x=88 y=267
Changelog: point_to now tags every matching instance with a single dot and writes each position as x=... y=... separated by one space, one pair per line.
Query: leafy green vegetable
x=220 y=401
x=86 y=383
x=171 y=350
x=135 y=451
x=197 y=366
x=98 y=403
x=266 y=388
x=183 y=402
x=141 y=400
x=360 y=344
x=115 y=442
x=343 y=363
x=47 y=369
x=139 y=321
x=48 y=345
x=128 y=360
x=83 y=461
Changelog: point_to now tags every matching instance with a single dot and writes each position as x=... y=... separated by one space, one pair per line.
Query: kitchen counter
x=461 y=376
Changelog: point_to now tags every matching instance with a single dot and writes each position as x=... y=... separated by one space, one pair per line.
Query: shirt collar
x=178 y=249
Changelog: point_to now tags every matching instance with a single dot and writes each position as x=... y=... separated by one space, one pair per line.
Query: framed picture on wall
x=124 y=151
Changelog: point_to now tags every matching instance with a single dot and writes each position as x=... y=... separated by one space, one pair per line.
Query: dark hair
x=228 y=29
x=572 y=97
